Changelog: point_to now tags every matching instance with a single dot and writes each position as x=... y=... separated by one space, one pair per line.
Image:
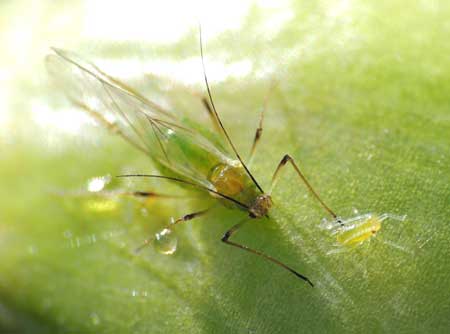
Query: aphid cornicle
x=181 y=153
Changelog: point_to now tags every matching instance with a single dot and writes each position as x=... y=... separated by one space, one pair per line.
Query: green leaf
x=362 y=104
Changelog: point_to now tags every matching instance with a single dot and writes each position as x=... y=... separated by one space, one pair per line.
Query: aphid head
x=260 y=206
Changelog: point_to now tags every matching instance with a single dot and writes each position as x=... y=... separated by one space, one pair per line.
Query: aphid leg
x=234 y=229
x=196 y=94
x=187 y=217
x=338 y=249
x=275 y=177
x=211 y=115
x=116 y=193
x=173 y=222
x=391 y=216
x=394 y=245
x=259 y=130
x=110 y=126
x=148 y=194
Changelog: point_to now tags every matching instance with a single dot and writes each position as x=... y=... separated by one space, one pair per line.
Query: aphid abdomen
x=227 y=179
x=231 y=179
x=351 y=238
x=185 y=154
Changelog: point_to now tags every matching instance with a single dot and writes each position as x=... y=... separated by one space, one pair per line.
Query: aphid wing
x=141 y=122
x=108 y=99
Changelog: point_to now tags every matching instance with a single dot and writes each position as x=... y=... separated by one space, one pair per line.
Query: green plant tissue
x=361 y=102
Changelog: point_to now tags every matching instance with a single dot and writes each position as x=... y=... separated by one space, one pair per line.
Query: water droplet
x=97 y=184
x=95 y=319
x=165 y=242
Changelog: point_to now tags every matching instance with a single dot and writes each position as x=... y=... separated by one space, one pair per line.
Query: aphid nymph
x=354 y=231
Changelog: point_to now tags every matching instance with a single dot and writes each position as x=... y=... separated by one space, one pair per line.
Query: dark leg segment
x=211 y=115
x=188 y=217
x=232 y=230
x=275 y=177
x=149 y=194
x=194 y=93
x=182 y=219
x=259 y=130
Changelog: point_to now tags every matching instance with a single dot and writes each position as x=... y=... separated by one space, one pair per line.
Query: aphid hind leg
x=173 y=222
x=197 y=95
x=206 y=105
x=259 y=129
x=339 y=249
x=234 y=229
x=211 y=115
x=276 y=175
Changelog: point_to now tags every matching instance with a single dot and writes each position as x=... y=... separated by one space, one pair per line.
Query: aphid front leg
x=234 y=229
x=165 y=241
x=275 y=178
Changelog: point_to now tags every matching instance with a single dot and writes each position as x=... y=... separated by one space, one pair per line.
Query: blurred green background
x=362 y=102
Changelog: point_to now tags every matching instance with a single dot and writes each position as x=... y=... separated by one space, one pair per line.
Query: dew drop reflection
x=97 y=184
x=165 y=242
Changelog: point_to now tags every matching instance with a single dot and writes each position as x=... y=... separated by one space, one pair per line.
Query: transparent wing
x=107 y=99
x=143 y=123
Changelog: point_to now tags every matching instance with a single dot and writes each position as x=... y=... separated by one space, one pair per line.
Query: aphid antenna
x=217 y=115
x=191 y=184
